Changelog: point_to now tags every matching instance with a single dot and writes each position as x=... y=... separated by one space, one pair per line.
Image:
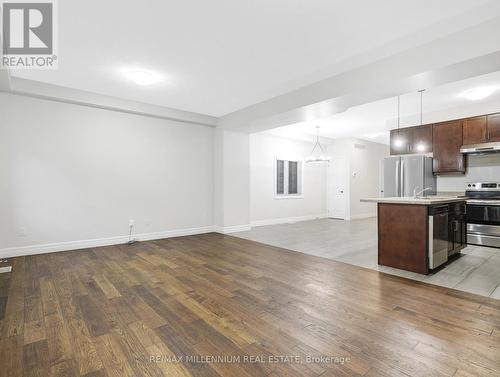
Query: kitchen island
x=419 y=234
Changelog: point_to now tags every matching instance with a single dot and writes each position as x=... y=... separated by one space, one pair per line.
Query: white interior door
x=337 y=188
x=381 y=179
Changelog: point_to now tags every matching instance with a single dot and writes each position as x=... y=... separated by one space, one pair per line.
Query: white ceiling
x=372 y=121
x=222 y=55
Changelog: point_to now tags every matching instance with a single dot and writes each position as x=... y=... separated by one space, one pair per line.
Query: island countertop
x=428 y=200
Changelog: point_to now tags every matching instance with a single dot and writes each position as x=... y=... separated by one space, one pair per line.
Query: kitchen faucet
x=416 y=194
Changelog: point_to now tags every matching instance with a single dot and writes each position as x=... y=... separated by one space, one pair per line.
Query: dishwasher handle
x=439 y=210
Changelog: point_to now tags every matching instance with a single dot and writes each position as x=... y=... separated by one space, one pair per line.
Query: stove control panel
x=482 y=186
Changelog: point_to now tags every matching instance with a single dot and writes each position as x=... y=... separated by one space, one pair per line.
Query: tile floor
x=477 y=270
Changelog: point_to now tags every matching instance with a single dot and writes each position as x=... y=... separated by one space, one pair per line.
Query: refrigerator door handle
x=402 y=178
x=396 y=175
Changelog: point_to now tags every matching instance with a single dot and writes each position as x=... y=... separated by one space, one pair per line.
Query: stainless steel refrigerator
x=402 y=174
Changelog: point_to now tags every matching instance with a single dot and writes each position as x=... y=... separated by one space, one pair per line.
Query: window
x=288 y=179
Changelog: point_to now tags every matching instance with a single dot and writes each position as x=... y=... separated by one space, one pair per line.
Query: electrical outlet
x=21 y=231
x=131 y=222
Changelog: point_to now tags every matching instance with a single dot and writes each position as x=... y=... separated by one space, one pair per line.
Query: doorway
x=338 y=188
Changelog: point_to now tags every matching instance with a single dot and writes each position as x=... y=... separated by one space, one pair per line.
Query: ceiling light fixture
x=142 y=77
x=479 y=93
x=318 y=156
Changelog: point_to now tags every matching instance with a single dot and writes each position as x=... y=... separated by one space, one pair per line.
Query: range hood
x=480 y=148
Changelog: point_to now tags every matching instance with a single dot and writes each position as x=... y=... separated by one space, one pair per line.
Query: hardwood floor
x=129 y=311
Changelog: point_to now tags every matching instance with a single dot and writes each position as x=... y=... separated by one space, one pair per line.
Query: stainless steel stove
x=483 y=213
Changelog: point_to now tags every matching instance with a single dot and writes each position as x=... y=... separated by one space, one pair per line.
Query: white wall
x=363 y=158
x=71 y=173
x=232 y=181
x=264 y=208
x=364 y=163
x=480 y=168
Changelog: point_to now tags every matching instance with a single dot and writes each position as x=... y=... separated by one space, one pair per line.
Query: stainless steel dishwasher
x=438 y=235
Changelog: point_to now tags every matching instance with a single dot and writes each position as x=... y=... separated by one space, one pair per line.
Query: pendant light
x=421 y=147
x=318 y=154
x=398 y=140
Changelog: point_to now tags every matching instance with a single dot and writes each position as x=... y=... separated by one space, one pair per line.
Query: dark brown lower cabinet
x=457 y=229
x=402 y=237
x=447 y=140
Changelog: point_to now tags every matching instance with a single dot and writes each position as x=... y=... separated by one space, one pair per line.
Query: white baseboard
x=84 y=244
x=231 y=229
x=174 y=233
x=363 y=216
x=287 y=220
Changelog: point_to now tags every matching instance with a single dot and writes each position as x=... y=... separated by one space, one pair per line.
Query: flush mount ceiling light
x=479 y=93
x=318 y=154
x=142 y=77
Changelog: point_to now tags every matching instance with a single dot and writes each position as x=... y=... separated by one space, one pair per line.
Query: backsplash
x=480 y=168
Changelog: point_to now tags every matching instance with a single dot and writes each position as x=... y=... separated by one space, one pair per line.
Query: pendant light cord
x=421 y=106
x=398 y=116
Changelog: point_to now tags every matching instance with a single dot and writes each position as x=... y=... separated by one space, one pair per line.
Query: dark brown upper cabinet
x=422 y=139
x=401 y=141
x=475 y=130
x=411 y=140
x=493 y=127
x=447 y=140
